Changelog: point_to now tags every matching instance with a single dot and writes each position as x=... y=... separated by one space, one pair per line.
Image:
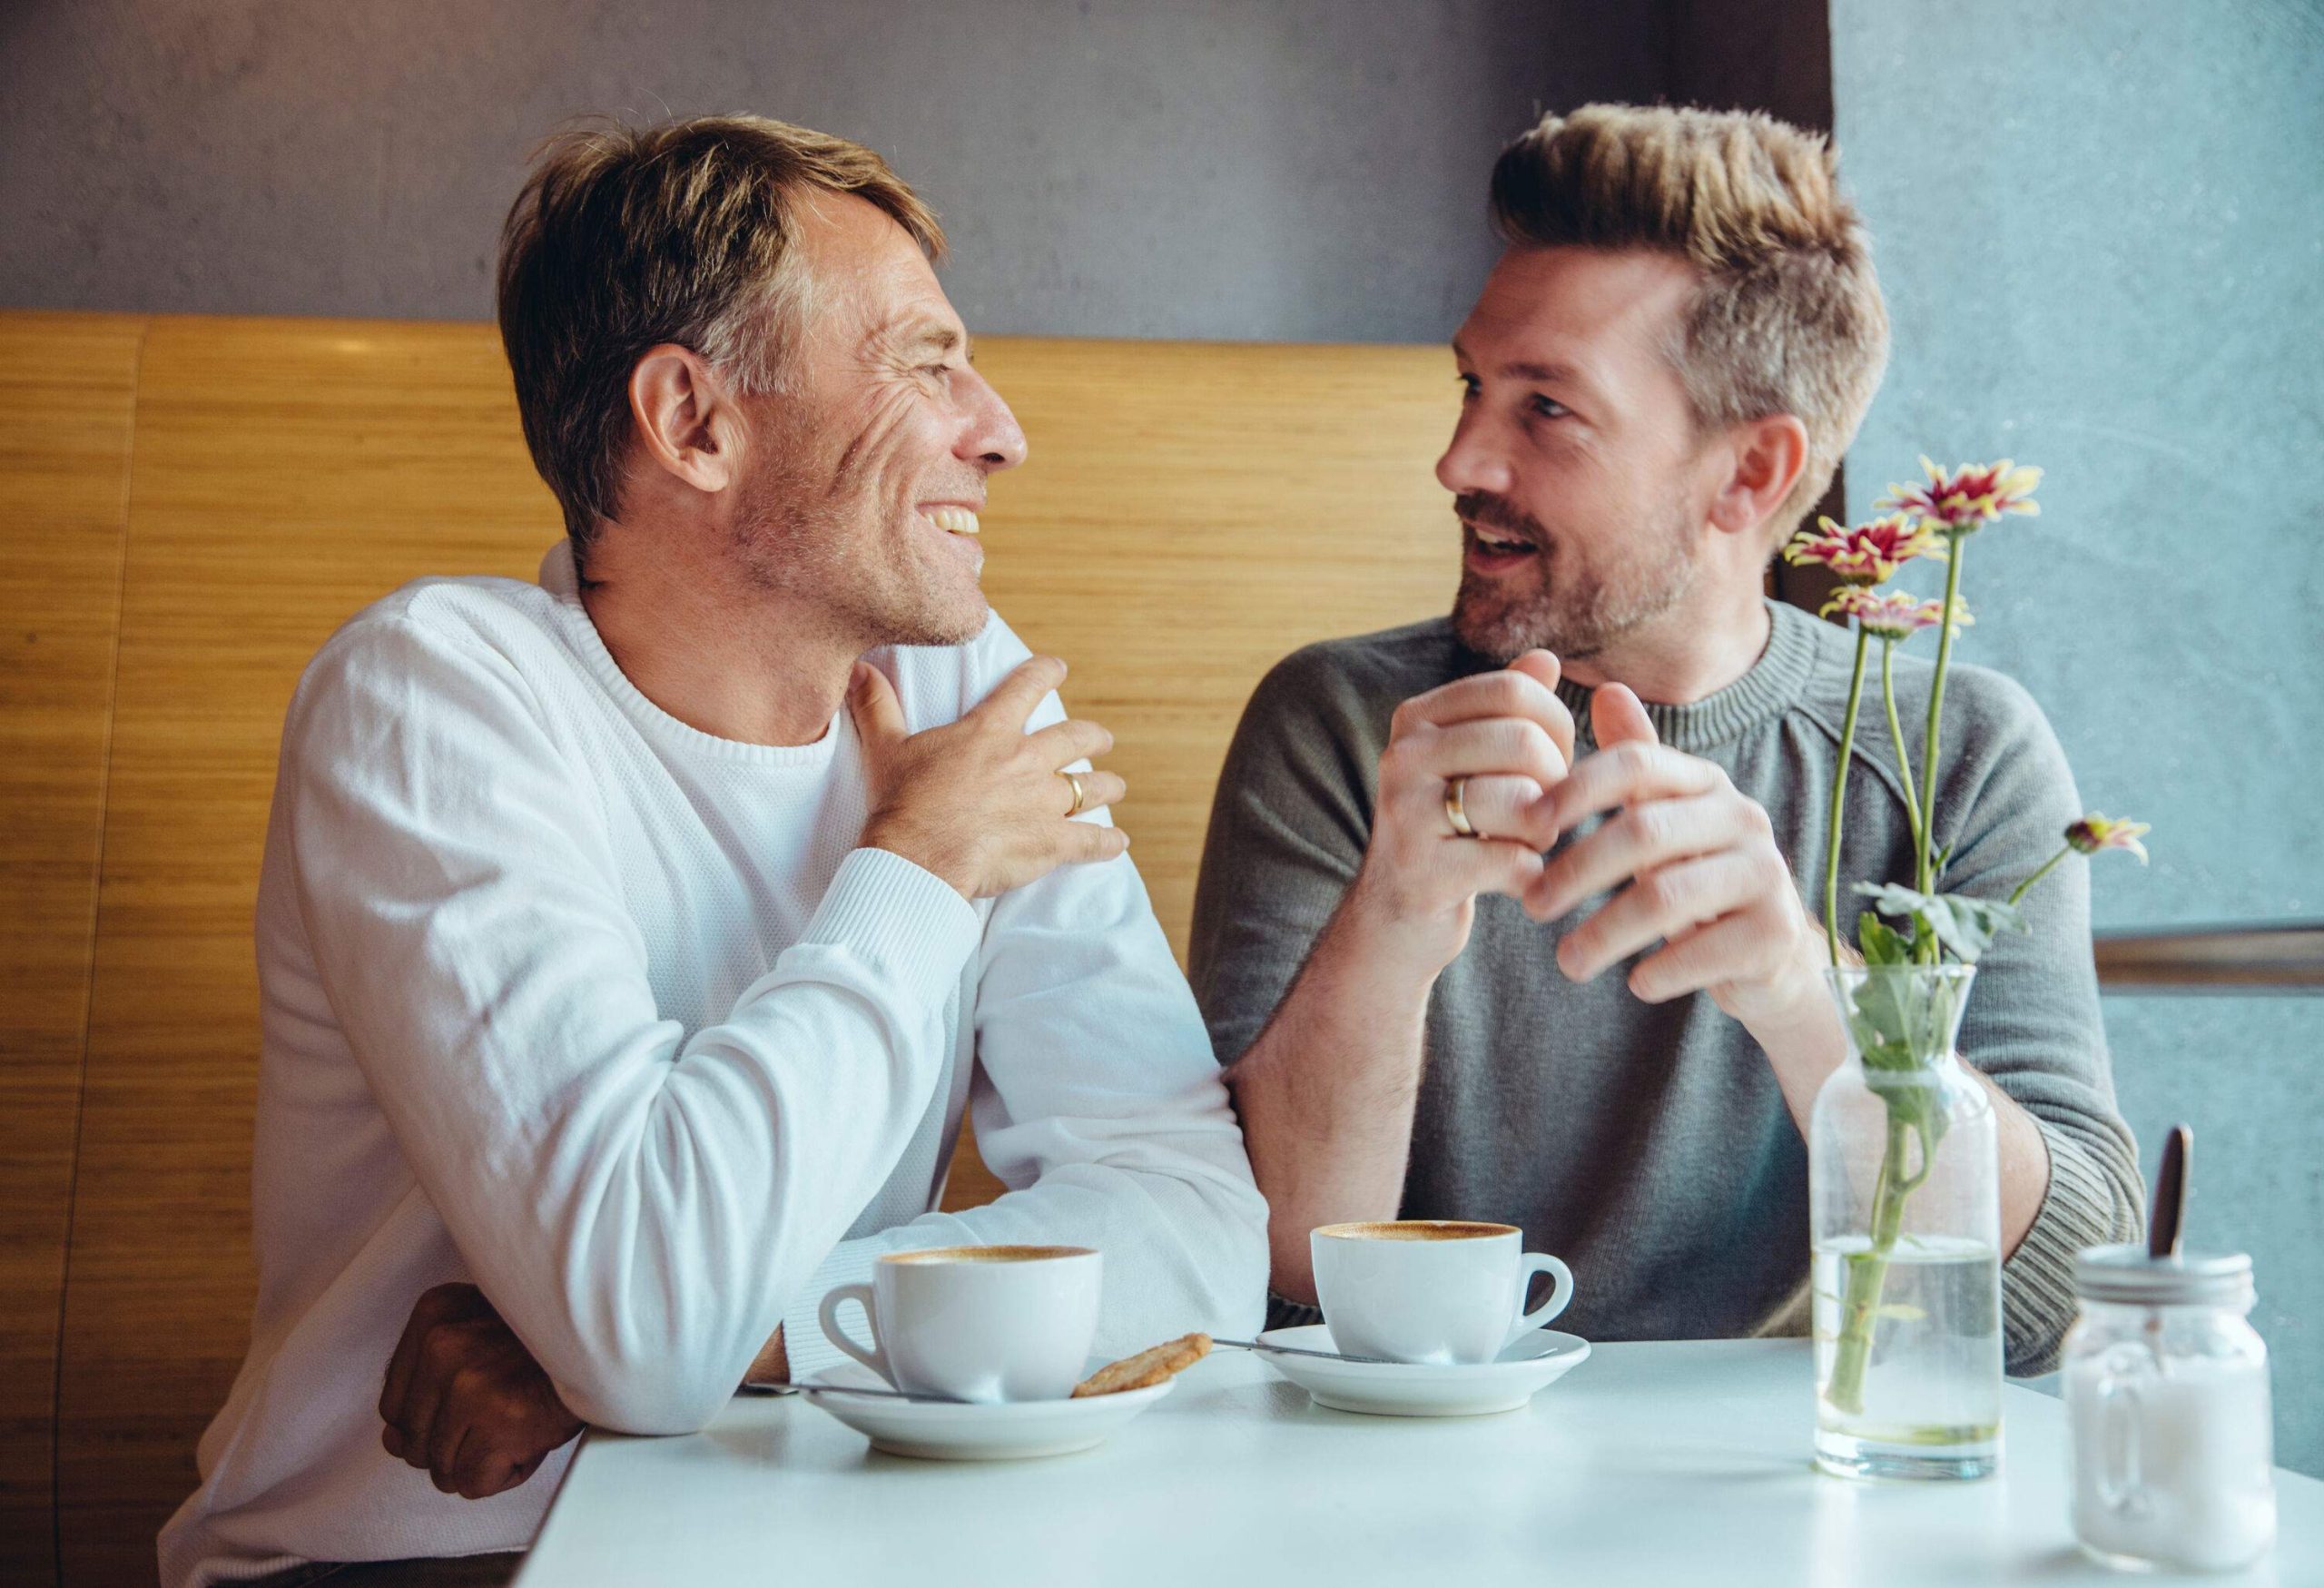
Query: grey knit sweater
x=1648 y=1145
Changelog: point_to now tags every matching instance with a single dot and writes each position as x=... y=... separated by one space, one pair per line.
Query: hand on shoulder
x=980 y=803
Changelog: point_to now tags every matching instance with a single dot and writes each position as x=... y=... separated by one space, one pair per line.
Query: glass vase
x=1904 y=1184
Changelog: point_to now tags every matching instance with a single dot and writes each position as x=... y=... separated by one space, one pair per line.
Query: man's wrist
x=1398 y=950
x=928 y=855
x=1797 y=1027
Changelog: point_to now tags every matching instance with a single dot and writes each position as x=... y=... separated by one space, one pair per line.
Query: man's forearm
x=2024 y=1161
x=1326 y=1093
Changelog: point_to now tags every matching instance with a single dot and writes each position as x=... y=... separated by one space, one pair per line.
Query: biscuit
x=1155 y=1364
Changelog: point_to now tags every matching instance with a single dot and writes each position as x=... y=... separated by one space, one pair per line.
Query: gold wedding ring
x=1079 y=792
x=1455 y=811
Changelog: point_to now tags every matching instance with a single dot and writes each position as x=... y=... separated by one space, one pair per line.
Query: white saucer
x=1413 y=1389
x=939 y=1431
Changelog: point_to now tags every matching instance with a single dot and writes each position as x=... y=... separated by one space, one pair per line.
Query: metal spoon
x=1303 y=1351
x=775 y=1386
x=2169 y=1196
x=778 y=1386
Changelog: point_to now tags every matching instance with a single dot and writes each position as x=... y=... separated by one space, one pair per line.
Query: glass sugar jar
x=2166 y=1391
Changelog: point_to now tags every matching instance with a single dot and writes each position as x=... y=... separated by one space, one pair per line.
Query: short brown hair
x=624 y=238
x=1788 y=317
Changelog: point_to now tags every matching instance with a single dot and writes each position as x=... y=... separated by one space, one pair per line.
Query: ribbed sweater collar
x=1774 y=683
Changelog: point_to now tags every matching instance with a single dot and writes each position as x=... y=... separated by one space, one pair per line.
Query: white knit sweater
x=613 y=1019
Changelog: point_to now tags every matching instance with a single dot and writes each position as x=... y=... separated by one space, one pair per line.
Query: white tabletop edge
x=1651 y=1463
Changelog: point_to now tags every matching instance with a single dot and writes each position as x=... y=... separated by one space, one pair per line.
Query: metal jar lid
x=2125 y=1274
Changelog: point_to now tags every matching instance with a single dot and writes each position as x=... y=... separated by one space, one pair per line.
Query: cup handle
x=1559 y=1294
x=876 y=1358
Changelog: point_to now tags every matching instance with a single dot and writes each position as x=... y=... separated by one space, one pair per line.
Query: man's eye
x=1549 y=407
x=1468 y=387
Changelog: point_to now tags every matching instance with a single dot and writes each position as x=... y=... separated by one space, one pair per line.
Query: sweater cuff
x=2037 y=1282
x=1290 y=1315
x=909 y=925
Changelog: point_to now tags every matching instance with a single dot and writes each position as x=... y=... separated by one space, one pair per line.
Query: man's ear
x=687 y=419
x=1770 y=456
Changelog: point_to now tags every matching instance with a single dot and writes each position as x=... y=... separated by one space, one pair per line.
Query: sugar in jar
x=2166 y=1391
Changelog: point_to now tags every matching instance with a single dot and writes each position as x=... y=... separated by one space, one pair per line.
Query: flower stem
x=1839 y=794
x=2027 y=886
x=1867 y=1273
x=1896 y=736
x=1926 y=880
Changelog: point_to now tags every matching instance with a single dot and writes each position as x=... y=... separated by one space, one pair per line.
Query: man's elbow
x=1206 y=1265
x=1235 y=1277
x=640 y=1398
x=1241 y=1306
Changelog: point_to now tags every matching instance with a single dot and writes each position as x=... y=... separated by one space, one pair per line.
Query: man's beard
x=790 y=540
x=1576 y=610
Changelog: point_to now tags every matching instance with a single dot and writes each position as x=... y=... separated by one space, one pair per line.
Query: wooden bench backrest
x=188 y=506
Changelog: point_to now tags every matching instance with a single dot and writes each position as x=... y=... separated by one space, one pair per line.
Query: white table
x=1649 y=1464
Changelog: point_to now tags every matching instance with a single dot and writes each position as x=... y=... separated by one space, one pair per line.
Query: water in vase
x=1930 y=1405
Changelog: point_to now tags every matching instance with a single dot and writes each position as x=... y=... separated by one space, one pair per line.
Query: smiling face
x=868 y=469
x=1583 y=489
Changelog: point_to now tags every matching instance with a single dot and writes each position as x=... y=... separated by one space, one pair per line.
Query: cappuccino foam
x=987 y=1254
x=1417 y=1229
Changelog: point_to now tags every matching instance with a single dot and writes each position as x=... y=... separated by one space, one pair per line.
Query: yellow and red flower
x=2094 y=832
x=1961 y=501
x=1893 y=614
x=1868 y=553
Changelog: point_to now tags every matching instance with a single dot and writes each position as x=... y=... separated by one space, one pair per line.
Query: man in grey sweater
x=1491 y=938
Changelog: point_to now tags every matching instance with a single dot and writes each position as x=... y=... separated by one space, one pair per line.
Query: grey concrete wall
x=1303 y=170
x=2103 y=243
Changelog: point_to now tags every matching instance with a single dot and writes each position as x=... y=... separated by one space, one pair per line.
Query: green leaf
x=1884 y=1023
x=1965 y=926
x=1882 y=944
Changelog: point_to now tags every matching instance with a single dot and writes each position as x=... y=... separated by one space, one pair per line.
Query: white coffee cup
x=1430 y=1290
x=977 y=1322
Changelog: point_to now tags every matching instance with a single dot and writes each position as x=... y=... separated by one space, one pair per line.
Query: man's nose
x=991 y=439
x=1473 y=463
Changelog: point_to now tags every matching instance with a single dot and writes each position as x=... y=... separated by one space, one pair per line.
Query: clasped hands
x=1691 y=862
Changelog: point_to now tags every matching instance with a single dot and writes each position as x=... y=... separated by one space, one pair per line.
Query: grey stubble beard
x=791 y=541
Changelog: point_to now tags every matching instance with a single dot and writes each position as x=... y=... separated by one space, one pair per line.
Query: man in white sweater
x=632 y=944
